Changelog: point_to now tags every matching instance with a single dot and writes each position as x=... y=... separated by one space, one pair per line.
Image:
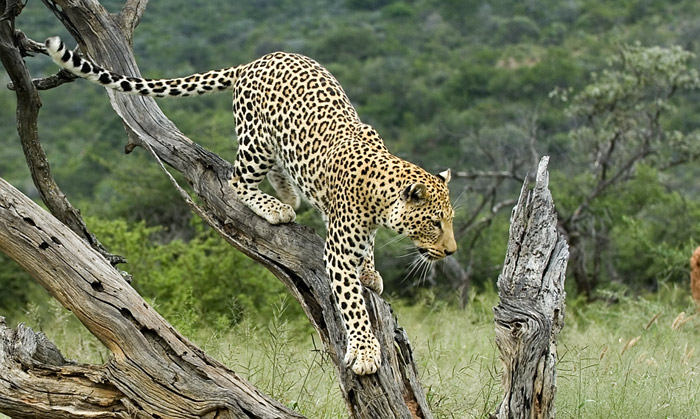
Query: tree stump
x=530 y=314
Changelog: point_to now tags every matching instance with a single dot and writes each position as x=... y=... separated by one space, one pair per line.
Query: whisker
x=393 y=240
x=409 y=254
x=410 y=251
x=459 y=206
x=427 y=268
x=418 y=280
x=457 y=200
x=412 y=267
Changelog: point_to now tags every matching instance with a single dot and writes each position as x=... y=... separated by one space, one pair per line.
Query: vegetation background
x=608 y=89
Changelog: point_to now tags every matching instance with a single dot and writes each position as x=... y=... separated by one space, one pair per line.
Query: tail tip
x=54 y=44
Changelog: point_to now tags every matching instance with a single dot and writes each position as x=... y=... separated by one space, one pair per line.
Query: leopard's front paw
x=364 y=355
x=279 y=214
x=274 y=212
x=373 y=281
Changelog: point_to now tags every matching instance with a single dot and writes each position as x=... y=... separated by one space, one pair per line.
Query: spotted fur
x=296 y=126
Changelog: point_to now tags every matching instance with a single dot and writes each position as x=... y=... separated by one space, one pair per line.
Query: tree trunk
x=159 y=372
x=530 y=314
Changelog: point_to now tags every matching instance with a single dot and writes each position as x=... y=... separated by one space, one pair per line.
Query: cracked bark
x=530 y=314
x=153 y=370
x=156 y=371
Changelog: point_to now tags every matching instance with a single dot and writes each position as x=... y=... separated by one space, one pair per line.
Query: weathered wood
x=30 y=368
x=291 y=252
x=158 y=371
x=530 y=314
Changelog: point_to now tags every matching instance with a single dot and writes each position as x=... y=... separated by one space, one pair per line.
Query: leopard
x=296 y=126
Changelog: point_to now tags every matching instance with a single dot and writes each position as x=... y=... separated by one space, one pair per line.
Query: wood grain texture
x=530 y=314
x=156 y=369
x=36 y=381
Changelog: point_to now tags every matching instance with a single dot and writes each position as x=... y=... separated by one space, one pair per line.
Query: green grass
x=617 y=360
x=632 y=359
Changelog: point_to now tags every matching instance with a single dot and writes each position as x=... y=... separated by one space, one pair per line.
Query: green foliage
x=367 y=4
x=18 y=289
x=447 y=83
x=517 y=29
x=624 y=138
x=630 y=94
x=347 y=43
x=198 y=283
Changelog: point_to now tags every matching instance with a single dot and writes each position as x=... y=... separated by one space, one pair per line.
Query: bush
x=201 y=282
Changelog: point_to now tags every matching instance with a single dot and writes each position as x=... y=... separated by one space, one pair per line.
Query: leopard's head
x=423 y=212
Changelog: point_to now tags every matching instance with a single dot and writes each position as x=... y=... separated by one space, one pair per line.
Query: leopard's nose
x=449 y=252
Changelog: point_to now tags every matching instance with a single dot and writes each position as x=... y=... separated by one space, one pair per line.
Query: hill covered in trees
x=608 y=89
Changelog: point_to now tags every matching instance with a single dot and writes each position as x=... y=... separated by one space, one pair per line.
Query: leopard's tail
x=196 y=84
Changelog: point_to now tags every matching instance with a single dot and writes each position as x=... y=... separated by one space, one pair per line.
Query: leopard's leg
x=343 y=264
x=253 y=161
x=283 y=187
x=369 y=276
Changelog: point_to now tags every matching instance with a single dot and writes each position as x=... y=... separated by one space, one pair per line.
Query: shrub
x=200 y=282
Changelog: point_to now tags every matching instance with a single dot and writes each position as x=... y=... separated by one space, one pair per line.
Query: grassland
x=635 y=358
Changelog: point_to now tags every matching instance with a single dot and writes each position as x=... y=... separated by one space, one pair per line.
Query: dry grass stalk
x=653 y=319
x=630 y=343
x=681 y=319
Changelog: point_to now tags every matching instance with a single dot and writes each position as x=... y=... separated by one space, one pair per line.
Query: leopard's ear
x=445 y=176
x=415 y=193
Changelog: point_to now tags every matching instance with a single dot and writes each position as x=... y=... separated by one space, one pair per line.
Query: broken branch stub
x=530 y=314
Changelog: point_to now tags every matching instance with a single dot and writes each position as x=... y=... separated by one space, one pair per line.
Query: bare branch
x=26 y=47
x=130 y=17
x=476 y=174
x=53 y=81
x=623 y=173
x=31 y=361
x=12 y=9
x=28 y=105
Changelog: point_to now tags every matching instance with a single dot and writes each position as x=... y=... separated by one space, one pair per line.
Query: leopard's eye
x=437 y=223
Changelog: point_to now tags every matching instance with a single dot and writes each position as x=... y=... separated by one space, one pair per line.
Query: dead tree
x=530 y=314
x=153 y=370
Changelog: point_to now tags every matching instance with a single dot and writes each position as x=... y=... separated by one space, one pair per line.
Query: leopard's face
x=424 y=214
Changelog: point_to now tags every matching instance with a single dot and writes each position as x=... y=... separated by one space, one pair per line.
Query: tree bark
x=530 y=314
x=153 y=366
x=153 y=371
